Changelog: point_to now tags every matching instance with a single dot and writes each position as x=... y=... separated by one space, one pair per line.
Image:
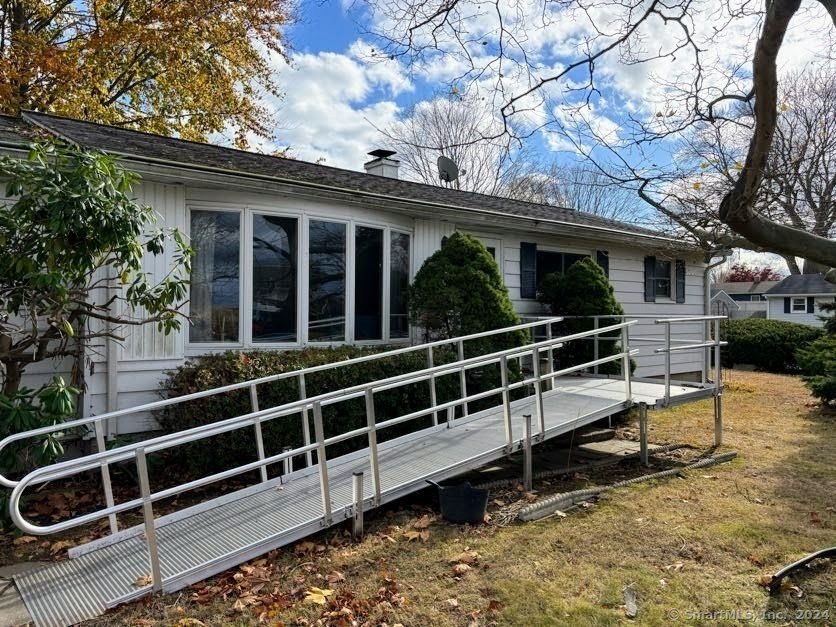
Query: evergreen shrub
x=584 y=290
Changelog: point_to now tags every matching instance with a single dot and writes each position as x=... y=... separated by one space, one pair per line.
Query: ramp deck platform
x=207 y=539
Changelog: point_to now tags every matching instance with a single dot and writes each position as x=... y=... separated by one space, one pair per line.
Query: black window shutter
x=680 y=281
x=811 y=304
x=787 y=304
x=528 y=270
x=602 y=258
x=650 y=279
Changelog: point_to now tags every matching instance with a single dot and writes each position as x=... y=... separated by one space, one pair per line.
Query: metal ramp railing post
x=718 y=391
x=150 y=523
x=321 y=461
x=596 y=351
x=528 y=476
x=506 y=401
x=625 y=365
x=108 y=487
x=306 y=427
x=371 y=422
x=667 y=363
x=259 y=436
x=433 y=398
x=462 y=377
x=550 y=357
x=538 y=393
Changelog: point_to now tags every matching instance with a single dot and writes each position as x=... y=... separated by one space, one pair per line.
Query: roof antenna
x=448 y=171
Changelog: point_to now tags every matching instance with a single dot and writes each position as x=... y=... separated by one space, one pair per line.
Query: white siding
x=428 y=236
x=627 y=277
x=145 y=342
x=776 y=311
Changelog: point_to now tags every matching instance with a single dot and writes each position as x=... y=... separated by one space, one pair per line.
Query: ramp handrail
x=138 y=451
x=252 y=384
x=704 y=346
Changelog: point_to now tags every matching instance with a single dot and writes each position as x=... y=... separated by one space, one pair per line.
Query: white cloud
x=332 y=105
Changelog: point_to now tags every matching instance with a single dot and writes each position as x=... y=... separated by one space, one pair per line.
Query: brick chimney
x=382 y=164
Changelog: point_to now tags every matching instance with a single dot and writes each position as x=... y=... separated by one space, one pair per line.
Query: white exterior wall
x=775 y=311
x=627 y=277
x=146 y=354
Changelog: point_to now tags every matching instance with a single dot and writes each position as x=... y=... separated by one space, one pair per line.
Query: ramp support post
x=108 y=488
x=718 y=420
x=506 y=401
x=538 y=394
x=433 y=396
x=371 y=423
x=287 y=464
x=528 y=478
x=357 y=493
x=643 y=433
x=462 y=378
x=148 y=515
x=319 y=432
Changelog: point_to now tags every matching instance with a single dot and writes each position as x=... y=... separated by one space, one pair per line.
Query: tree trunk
x=13 y=374
x=792 y=264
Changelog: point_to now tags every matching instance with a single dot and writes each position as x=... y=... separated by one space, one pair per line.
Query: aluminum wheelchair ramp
x=172 y=551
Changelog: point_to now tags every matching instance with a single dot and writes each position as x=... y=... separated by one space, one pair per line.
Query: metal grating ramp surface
x=207 y=539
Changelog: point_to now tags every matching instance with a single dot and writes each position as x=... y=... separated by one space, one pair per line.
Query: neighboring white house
x=799 y=298
x=747 y=298
x=291 y=254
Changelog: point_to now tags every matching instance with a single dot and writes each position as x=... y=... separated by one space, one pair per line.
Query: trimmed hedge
x=766 y=344
x=238 y=447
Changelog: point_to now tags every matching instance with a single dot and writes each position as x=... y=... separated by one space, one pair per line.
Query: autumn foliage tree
x=188 y=68
x=741 y=272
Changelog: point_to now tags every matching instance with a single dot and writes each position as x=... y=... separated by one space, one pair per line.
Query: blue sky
x=336 y=98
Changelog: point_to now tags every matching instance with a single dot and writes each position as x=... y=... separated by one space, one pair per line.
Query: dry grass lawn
x=689 y=546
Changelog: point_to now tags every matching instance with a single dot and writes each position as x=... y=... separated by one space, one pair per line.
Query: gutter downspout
x=724 y=254
x=112 y=373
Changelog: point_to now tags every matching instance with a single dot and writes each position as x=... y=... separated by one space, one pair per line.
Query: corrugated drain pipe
x=550 y=505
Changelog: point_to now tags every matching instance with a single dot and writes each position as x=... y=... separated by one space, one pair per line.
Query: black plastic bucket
x=462 y=503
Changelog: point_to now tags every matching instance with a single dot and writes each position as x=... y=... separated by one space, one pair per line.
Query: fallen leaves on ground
x=318 y=595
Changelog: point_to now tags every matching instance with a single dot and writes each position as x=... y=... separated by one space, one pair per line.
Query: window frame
x=670 y=279
x=246 y=211
x=201 y=347
x=794 y=300
x=248 y=283
x=348 y=331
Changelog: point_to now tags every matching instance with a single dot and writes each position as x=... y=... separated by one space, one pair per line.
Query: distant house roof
x=149 y=148
x=803 y=284
x=745 y=287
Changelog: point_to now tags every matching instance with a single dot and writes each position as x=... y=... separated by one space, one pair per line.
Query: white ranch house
x=798 y=298
x=291 y=254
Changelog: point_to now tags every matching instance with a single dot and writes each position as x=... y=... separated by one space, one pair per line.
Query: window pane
x=399 y=286
x=663 y=278
x=548 y=262
x=326 y=318
x=274 y=279
x=215 y=281
x=368 y=284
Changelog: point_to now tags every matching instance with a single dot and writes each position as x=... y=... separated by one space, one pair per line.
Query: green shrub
x=238 y=447
x=818 y=360
x=766 y=344
x=459 y=291
x=584 y=290
x=29 y=409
